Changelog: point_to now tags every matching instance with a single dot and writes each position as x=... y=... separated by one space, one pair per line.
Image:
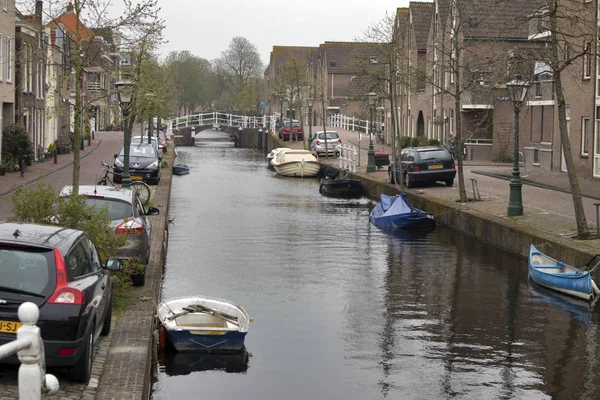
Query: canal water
x=344 y=310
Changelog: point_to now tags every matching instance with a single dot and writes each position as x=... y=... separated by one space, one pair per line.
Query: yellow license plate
x=136 y=178
x=9 y=326
x=436 y=166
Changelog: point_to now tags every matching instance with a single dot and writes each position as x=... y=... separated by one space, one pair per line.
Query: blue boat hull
x=184 y=340
x=550 y=273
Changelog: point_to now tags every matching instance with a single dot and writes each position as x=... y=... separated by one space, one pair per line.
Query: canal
x=344 y=310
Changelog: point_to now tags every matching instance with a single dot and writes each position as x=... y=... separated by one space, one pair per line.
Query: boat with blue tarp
x=397 y=212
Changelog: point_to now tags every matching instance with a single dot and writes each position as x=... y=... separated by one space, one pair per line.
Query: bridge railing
x=33 y=379
x=348 y=123
x=215 y=117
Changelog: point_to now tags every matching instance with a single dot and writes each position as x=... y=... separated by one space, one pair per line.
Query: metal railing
x=33 y=380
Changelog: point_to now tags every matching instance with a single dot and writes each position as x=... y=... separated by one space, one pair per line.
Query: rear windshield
x=436 y=154
x=330 y=135
x=26 y=269
x=117 y=209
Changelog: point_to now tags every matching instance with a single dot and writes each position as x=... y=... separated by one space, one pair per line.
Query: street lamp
x=125 y=93
x=150 y=96
x=371 y=103
x=517 y=89
x=310 y=101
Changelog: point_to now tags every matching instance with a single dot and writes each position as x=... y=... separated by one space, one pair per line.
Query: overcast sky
x=206 y=27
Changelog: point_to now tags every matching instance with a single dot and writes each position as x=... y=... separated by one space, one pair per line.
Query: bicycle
x=140 y=188
x=379 y=137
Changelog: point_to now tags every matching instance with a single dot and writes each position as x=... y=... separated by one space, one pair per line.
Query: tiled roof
x=421 y=20
x=70 y=22
x=341 y=56
x=493 y=19
x=281 y=54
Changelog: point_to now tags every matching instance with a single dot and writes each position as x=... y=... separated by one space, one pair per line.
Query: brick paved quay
x=123 y=362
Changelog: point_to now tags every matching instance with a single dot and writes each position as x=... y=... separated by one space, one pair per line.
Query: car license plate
x=435 y=166
x=9 y=326
x=136 y=178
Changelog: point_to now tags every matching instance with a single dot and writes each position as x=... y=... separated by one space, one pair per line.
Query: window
x=8 y=59
x=587 y=61
x=541 y=123
x=585 y=134
x=1 y=58
x=78 y=262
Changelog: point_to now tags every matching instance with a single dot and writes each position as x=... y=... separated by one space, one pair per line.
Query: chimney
x=69 y=7
x=39 y=6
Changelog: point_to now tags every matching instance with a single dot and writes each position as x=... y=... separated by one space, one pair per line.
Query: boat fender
x=162 y=338
x=596 y=290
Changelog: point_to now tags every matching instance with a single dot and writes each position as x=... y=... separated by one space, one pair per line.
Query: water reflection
x=173 y=363
x=578 y=309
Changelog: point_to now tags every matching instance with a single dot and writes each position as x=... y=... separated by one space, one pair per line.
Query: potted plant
x=52 y=150
x=87 y=135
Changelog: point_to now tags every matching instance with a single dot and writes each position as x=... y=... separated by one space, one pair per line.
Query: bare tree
x=193 y=77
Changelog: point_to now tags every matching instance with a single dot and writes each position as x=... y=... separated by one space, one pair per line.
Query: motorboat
x=180 y=169
x=198 y=323
x=272 y=155
x=552 y=274
x=396 y=212
x=296 y=162
x=344 y=188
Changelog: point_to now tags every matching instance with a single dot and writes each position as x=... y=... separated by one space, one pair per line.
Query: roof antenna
x=17 y=233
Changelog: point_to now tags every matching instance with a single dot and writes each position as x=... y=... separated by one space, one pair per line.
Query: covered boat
x=180 y=169
x=296 y=162
x=199 y=323
x=397 y=212
x=548 y=272
x=344 y=188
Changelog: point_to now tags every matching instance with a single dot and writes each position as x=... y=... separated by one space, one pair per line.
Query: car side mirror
x=152 y=211
x=113 y=265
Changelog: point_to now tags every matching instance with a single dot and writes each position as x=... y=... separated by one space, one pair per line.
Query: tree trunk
x=582 y=228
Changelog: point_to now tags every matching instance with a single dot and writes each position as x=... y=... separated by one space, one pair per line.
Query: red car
x=297 y=131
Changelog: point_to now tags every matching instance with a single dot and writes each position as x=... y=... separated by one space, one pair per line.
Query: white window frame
x=585 y=135
x=8 y=59
x=587 y=62
x=1 y=56
x=5 y=5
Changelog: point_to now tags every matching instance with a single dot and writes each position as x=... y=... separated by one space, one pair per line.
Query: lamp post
x=517 y=89
x=371 y=102
x=125 y=92
x=310 y=102
x=150 y=96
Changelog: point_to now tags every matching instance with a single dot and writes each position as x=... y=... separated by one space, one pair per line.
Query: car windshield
x=25 y=269
x=140 y=151
x=436 y=154
x=138 y=140
x=117 y=209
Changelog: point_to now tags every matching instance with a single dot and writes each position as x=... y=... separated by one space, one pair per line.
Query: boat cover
x=392 y=205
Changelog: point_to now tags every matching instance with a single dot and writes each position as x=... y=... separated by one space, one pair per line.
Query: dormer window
x=374 y=59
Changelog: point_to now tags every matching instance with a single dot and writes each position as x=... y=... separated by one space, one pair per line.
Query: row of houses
x=481 y=45
x=37 y=75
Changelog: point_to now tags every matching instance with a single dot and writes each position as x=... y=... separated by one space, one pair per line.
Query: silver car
x=334 y=143
x=128 y=217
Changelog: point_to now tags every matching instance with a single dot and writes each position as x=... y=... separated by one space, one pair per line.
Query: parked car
x=128 y=217
x=59 y=270
x=144 y=139
x=334 y=143
x=297 y=130
x=424 y=164
x=144 y=164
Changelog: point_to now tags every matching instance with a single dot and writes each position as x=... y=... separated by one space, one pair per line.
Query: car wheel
x=449 y=182
x=82 y=370
x=408 y=180
x=107 y=319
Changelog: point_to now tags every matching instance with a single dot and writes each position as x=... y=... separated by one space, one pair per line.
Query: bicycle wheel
x=142 y=190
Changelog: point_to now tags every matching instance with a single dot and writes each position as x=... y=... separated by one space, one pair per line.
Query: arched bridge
x=244 y=131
